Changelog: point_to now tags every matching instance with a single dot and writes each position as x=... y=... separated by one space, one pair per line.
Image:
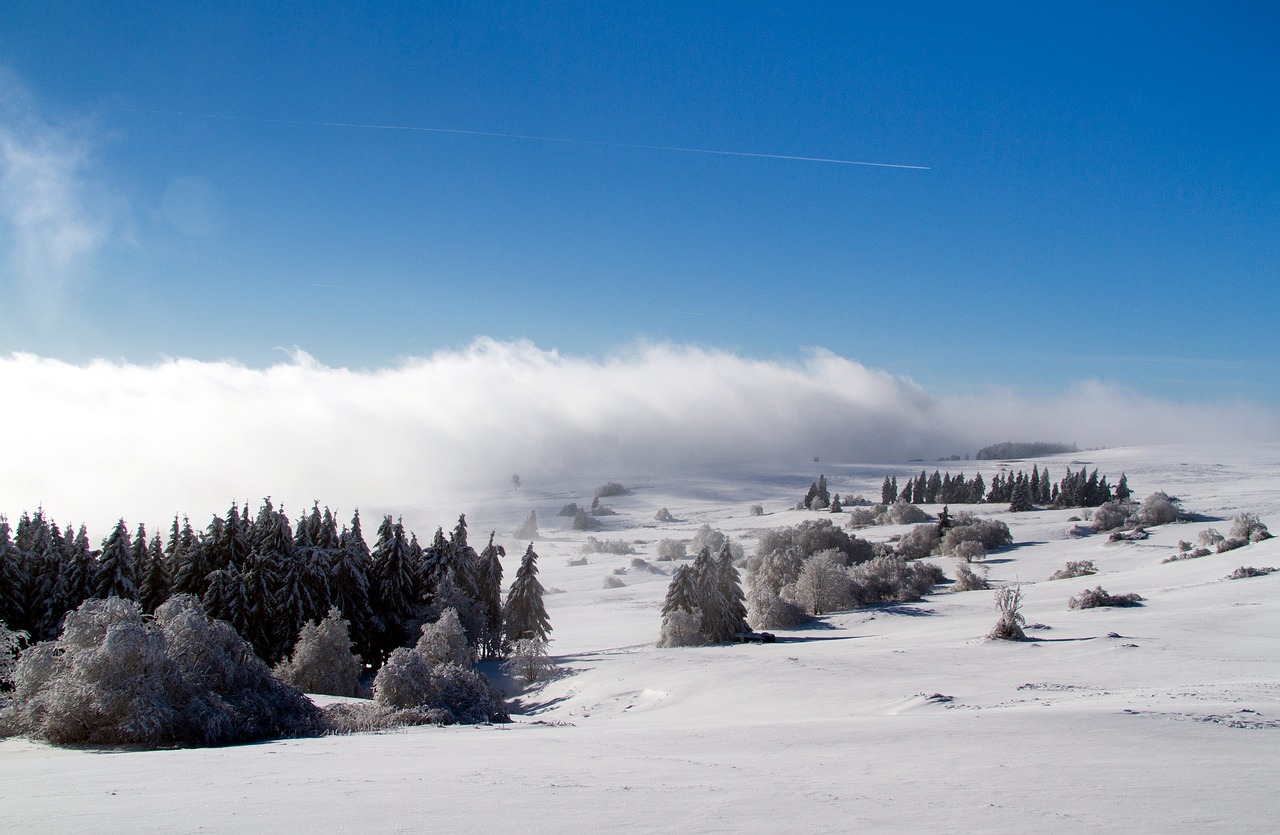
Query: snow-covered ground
x=1160 y=718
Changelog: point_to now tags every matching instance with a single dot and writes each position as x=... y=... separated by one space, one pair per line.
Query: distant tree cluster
x=704 y=603
x=262 y=575
x=1023 y=449
x=1017 y=489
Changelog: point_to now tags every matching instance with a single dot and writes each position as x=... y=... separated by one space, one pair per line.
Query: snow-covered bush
x=10 y=641
x=767 y=610
x=756 y=510
x=529 y=660
x=822 y=585
x=1010 y=621
x=445 y=641
x=919 y=542
x=612 y=582
x=864 y=517
x=681 y=628
x=672 y=549
x=970 y=550
x=1230 y=544
x=611 y=488
x=583 y=522
x=1244 y=572
x=891 y=579
x=1157 y=509
x=1193 y=554
x=707 y=537
x=1111 y=515
x=1074 y=568
x=1209 y=538
x=570 y=510
x=404 y=680
x=1098 y=597
x=811 y=536
x=991 y=533
x=968 y=580
x=448 y=692
x=322 y=661
x=1249 y=527
x=607 y=546
x=115 y=678
x=902 y=513
x=663 y=515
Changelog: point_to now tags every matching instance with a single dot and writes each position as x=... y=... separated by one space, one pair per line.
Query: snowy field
x=1163 y=718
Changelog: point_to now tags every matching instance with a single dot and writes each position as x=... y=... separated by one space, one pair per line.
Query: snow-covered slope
x=1159 y=718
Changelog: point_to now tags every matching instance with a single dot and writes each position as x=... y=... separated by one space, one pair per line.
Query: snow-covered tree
x=444 y=641
x=488 y=574
x=153 y=589
x=115 y=566
x=529 y=660
x=525 y=616
x=322 y=661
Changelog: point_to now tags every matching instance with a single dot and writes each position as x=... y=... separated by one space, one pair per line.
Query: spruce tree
x=887 y=492
x=154 y=586
x=488 y=574
x=733 y=615
x=525 y=615
x=116 y=575
x=681 y=592
x=11 y=579
x=710 y=596
x=349 y=587
x=396 y=585
x=1020 y=501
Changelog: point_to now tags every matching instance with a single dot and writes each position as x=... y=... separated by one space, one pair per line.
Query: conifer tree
x=226 y=598
x=116 y=575
x=154 y=586
x=1020 y=501
x=682 y=592
x=888 y=491
x=488 y=574
x=710 y=595
x=349 y=587
x=525 y=615
x=396 y=586
x=11 y=579
x=733 y=617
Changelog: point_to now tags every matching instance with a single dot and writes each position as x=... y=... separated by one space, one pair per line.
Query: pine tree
x=733 y=618
x=115 y=567
x=710 y=596
x=1123 y=493
x=488 y=573
x=823 y=497
x=154 y=587
x=349 y=587
x=1020 y=501
x=227 y=599
x=396 y=585
x=11 y=578
x=888 y=491
x=525 y=615
x=681 y=592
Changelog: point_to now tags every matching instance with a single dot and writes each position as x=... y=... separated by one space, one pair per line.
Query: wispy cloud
x=98 y=440
x=51 y=224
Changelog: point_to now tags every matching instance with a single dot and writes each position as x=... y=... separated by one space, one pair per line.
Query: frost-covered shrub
x=663 y=515
x=1157 y=509
x=707 y=537
x=445 y=641
x=1111 y=515
x=322 y=661
x=919 y=542
x=583 y=522
x=1075 y=568
x=607 y=546
x=968 y=580
x=775 y=570
x=1230 y=544
x=529 y=660
x=1249 y=527
x=681 y=628
x=611 y=488
x=767 y=610
x=970 y=550
x=822 y=585
x=864 y=517
x=814 y=535
x=902 y=513
x=115 y=678
x=570 y=510
x=1244 y=572
x=1098 y=597
x=528 y=529
x=672 y=549
x=1193 y=554
x=612 y=582
x=1209 y=538
x=465 y=695
x=1010 y=621
x=579 y=561
x=891 y=579
x=369 y=717
x=756 y=510
x=404 y=681
x=10 y=641
x=992 y=533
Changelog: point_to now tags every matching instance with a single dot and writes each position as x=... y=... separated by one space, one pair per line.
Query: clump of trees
x=704 y=602
x=1020 y=490
x=1024 y=449
x=322 y=660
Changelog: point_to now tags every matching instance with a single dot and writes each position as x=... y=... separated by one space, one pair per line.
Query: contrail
x=530 y=138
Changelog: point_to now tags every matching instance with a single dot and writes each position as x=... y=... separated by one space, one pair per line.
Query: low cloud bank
x=95 y=441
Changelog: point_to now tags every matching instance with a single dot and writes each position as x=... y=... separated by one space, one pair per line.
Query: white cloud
x=51 y=225
x=96 y=441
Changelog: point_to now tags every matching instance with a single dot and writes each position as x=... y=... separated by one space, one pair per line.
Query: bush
x=607 y=546
x=814 y=535
x=447 y=692
x=1194 y=554
x=968 y=580
x=445 y=641
x=583 y=522
x=1010 y=622
x=571 y=509
x=1157 y=509
x=891 y=579
x=663 y=515
x=902 y=513
x=822 y=585
x=612 y=582
x=767 y=610
x=970 y=551
x=919 y=542
x=865 y=517
x=1209 y=538
x=1096 y=598
x=991 y=533
x=366 y=717
x=611 y=488
x=1075 y=568
x=681 y=628
x=671 y=549
x=115 y=678
x=1249 y=527
x=322 y=661
x=1230 y=544
x=1111 y=515
x=756 y=510
x=529 y=660
x=528 y=529
x=1249 y=571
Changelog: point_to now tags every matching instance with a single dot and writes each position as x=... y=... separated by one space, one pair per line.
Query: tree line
x=267 y=577
x=1018 y=489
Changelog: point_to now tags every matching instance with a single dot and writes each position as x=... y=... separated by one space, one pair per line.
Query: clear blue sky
x=1102 y=199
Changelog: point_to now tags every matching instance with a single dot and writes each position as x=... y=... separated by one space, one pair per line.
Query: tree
x=525 y=615
x=529 y=660
x=349 y=586
x=322 y=661
x=115 y=566
x=488 y=574
x=822 y=585
x=1020 y=500
x=154 y=587
x=396 y=584
x=445 y=641
x=888 y=491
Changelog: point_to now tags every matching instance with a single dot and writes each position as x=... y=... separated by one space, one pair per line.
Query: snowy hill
x=1164 y=717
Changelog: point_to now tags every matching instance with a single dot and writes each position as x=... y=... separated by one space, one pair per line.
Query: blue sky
x=1101 y=200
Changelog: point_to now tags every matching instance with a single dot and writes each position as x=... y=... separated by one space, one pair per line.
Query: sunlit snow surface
x=1174 y=725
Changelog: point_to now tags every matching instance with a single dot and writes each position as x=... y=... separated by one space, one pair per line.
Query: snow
x=1159 y=718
